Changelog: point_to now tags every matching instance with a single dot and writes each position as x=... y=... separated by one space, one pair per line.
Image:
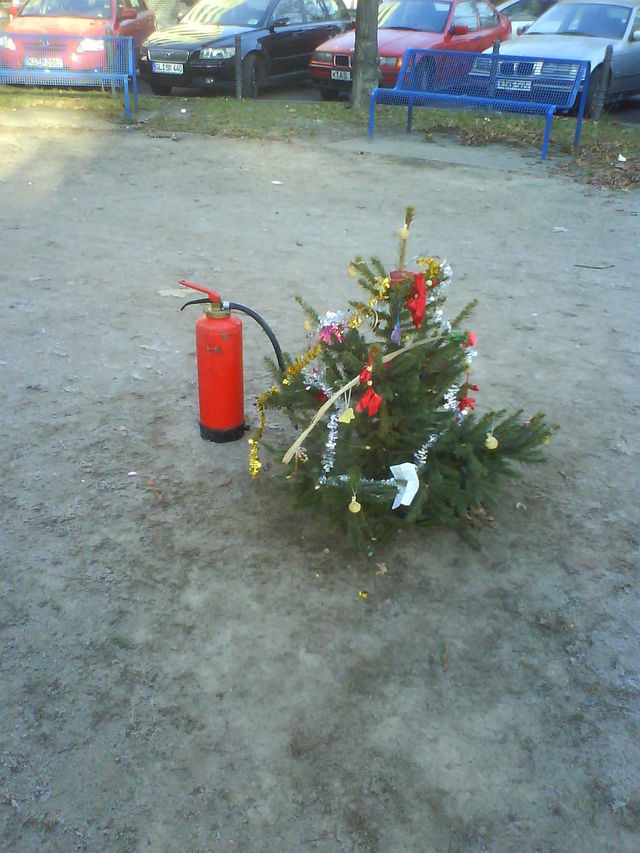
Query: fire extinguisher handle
x=211 y=294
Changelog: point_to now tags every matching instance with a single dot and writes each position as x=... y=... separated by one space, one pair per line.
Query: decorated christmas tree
x=382 y=400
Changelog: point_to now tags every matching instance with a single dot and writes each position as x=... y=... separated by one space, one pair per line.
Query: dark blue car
x=277 y=39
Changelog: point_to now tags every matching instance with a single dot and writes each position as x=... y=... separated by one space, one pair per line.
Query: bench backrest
x=532 y=79
x=49 y=59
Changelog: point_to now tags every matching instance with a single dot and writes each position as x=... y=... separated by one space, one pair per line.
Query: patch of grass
x=598 y=160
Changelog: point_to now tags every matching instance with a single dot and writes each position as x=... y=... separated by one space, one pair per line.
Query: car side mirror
x=280 y=22
x=523 y=29
x=635 y=36
x=128 y=14
x=459 y=30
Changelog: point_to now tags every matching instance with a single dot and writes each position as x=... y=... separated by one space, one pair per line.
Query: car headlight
x=390 y=61
x=90 y=46
x=217 y=52
x=323 y=56
x=7 y=43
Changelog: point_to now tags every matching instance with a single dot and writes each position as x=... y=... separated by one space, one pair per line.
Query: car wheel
x=329 y=94
x=160 y=88
x=251 y=76
x=594 y=84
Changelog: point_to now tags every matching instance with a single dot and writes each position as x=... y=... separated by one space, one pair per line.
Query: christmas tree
x=383 y=401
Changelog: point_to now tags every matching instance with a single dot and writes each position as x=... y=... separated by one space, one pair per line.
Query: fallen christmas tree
x=389 y=437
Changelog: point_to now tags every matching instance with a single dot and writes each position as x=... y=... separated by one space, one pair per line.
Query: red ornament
x=471 y=340
x=417 y=302
x=322 y=396
x=466 y=402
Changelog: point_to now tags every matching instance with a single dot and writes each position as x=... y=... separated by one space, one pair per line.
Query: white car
x=522 y=13
x=582 y=29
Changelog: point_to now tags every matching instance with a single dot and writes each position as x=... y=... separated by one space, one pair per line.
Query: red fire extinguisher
x=219 y=361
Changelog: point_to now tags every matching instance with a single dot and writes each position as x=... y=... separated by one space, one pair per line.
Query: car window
x=414 y=14
x=635 y=27
x=598 y=20
x=288 y=9
x=233 y=12
x=69 y=8
x=315 y=10
x=335 y=11
x=528 y=10
x=465 y=14
x=488 y=15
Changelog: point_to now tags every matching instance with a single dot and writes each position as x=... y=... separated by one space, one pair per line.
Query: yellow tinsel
x=254 y=458
x=431 y=267
x=383 y=285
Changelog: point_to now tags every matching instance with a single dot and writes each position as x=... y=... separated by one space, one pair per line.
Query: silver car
x=582 y=29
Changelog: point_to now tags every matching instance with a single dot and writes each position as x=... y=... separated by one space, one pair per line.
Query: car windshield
x=414 y=15
x=599 y=20
x=66 y=8
x=227 y=12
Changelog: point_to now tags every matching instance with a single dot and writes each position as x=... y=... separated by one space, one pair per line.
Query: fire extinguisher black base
x=222 y=435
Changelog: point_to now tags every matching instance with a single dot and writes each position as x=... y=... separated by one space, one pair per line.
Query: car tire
x=329 y=94
x=160 y=88
x=252 y=76
x=594 y=85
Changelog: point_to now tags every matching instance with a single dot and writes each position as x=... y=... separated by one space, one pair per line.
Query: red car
x=470 y=25
x=84 y=21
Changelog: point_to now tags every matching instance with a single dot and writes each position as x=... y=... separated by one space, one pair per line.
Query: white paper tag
x=408 y=483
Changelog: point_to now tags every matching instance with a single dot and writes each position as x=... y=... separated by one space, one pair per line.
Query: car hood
x=193 y=35
x=557 y=47
x=39 y=25
x=390 y=42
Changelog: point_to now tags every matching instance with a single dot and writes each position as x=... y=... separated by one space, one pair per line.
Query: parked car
x=582 y=29
x=85 y=21
x=277 y=39
x=522 y=13
x=451 y=25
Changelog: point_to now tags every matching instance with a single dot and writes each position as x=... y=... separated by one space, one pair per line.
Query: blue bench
x=44 y=60
x=491 y=81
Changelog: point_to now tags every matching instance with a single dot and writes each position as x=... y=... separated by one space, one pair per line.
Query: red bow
x=369 y=401
x=417 y=302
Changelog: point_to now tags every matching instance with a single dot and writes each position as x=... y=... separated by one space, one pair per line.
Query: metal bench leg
x=134 y=79
x=409 y=115
x=127 y=105
x=372 y=106
x=547 y=132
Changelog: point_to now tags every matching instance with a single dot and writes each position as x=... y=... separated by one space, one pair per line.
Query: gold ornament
x=347 y=416
x=355 y=321
x=491 y=442
x=352 y=271
x=354 y=506
x=363 y=594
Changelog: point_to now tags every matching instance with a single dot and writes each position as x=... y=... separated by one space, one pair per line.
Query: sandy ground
x=187 y=664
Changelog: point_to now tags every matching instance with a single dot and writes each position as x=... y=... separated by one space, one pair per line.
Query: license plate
x=515 y=85
x=43 y=62
x=167 y=67
x=340 y=75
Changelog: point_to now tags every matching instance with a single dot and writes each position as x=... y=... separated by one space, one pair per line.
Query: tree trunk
x=366 y=62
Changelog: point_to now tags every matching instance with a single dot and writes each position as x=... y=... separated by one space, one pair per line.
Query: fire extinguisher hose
x=236 y=306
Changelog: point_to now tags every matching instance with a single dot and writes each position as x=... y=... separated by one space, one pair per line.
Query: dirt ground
x=187 y=663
